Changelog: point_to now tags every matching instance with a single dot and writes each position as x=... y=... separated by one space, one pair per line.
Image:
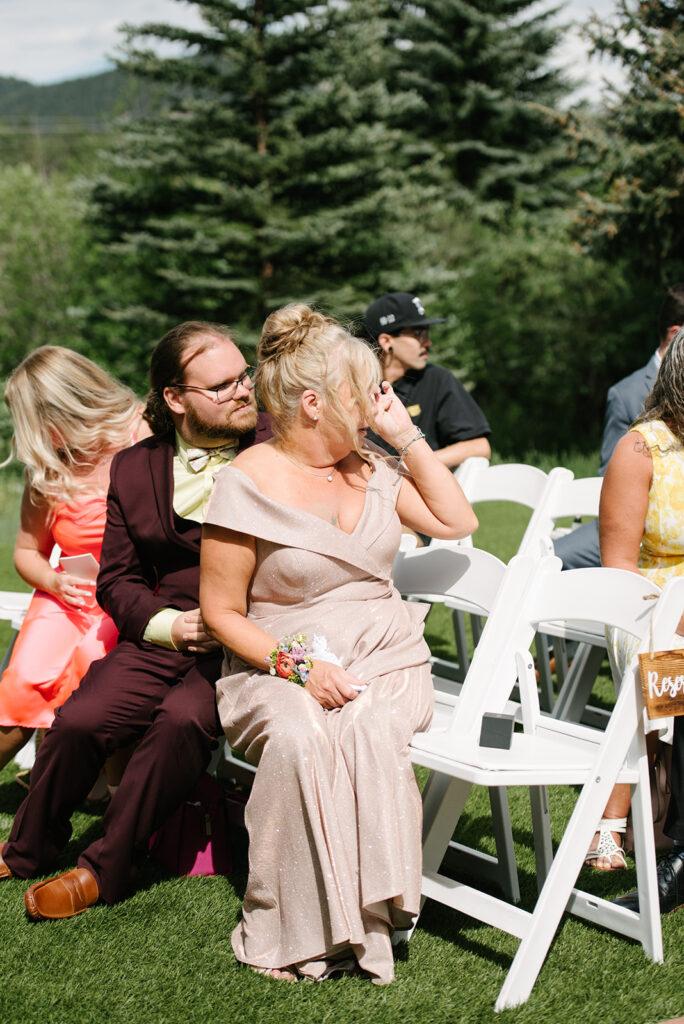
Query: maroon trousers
x=165 y=699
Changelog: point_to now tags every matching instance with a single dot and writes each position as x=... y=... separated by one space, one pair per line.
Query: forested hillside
x=92 y=100
x=357 y=148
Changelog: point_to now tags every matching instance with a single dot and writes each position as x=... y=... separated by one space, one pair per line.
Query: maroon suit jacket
x=150 y=555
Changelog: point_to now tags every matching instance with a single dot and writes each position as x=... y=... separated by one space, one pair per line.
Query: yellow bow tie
x=198 y=457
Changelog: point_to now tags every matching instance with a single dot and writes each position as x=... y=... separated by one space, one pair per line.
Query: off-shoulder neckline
x=294 y=508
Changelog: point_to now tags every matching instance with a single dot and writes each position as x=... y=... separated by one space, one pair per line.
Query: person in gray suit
x=579 y=549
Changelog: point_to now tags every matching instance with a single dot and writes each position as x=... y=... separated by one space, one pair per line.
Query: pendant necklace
x=321 y=476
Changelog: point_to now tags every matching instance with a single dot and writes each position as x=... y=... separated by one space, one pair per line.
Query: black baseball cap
x=394 y=311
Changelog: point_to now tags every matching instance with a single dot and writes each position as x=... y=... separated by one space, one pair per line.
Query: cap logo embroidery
x=418 y=304
x=389 y=318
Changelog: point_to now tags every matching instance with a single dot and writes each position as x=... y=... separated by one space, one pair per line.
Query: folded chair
x=547 y=752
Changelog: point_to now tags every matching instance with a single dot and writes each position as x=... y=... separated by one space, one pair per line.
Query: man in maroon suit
x=157 y=685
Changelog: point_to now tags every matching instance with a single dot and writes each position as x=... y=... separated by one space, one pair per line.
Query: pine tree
x=490 y=95
x=636 y=210
x=276 y=171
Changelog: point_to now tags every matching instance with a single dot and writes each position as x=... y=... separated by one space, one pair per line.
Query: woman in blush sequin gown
x=300 y=536
x=70 y=418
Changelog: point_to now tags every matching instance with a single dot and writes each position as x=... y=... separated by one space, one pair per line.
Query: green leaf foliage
x=636 y=209
x=489 y=96
x=277 y=171
x=540 y=330
x=43 y=263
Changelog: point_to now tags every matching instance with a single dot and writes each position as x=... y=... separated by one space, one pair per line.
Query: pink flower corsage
x=291 y=659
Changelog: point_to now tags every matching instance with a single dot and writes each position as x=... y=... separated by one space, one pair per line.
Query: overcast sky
x=45 y=41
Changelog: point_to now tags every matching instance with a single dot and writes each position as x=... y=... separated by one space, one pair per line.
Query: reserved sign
x=662 y=683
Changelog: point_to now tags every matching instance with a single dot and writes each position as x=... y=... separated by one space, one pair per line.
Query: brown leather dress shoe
x=5 y=871
x=64 y=896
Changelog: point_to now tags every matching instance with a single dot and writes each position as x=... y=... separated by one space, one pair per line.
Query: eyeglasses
x=419 y=333
x=224 y=392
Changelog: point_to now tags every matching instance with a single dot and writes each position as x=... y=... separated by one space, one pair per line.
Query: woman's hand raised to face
x=391 y=420
x=330 y=685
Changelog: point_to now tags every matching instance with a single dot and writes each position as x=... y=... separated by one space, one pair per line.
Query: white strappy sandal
x=607 y=848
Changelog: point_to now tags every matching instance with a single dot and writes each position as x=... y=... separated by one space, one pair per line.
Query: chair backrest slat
x=533 y=592
x=450 y=571
x=507 y=482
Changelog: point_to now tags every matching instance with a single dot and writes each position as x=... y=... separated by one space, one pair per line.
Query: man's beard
x=228 y=431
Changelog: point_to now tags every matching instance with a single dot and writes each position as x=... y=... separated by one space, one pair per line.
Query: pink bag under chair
x=194 y=840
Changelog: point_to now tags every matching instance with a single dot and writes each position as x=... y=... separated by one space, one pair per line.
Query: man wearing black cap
x=453 y=423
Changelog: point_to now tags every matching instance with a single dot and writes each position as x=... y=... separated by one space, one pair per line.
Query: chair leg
x=557 y=889
x=8 y=653
x=579 y=682
x=476 y=627
x=560 y=653
x=462 y=653
x=443 y=801
x=644 y=855
x=546 y=694
x=501 y=870
x=541 y=832
x=505 y=850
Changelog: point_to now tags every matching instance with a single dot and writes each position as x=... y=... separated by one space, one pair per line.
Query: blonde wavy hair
x=301 y=349
x=68 y=415
x=666 y=400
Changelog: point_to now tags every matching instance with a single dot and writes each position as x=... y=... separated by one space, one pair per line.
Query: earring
x=315 y=419
x=390 y=349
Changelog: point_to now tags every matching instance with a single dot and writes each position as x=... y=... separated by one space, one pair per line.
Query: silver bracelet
x=419 y=436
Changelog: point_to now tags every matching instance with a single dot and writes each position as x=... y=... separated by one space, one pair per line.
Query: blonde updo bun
x=301 y=349
x=288 y=328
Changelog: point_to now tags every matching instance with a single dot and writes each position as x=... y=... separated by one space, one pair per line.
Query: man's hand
x=188 y=633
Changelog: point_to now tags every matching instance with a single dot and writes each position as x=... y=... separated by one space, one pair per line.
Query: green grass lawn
x=164 y=956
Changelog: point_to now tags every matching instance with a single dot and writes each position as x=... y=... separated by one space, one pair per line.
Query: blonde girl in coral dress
x=70 y=418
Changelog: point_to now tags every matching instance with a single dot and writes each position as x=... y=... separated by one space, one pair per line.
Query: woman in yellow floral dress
x=641 y=528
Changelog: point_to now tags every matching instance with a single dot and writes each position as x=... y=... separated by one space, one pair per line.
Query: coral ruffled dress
x=56 y=644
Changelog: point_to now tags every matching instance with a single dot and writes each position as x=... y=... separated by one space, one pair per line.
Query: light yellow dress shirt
x=191 y=491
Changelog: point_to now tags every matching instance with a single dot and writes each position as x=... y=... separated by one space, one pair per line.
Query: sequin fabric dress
x=56 y=644
x=334 y=818
x=661 y=554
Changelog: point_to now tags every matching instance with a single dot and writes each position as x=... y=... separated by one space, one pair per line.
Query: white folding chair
x=515 y=482
x=13 y=606
x=548 y=752
x=465 y=579
x=468 y=468
x=520 y=484
x=575 y=497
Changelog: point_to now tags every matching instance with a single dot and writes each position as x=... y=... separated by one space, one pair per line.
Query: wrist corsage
x=291 y=659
